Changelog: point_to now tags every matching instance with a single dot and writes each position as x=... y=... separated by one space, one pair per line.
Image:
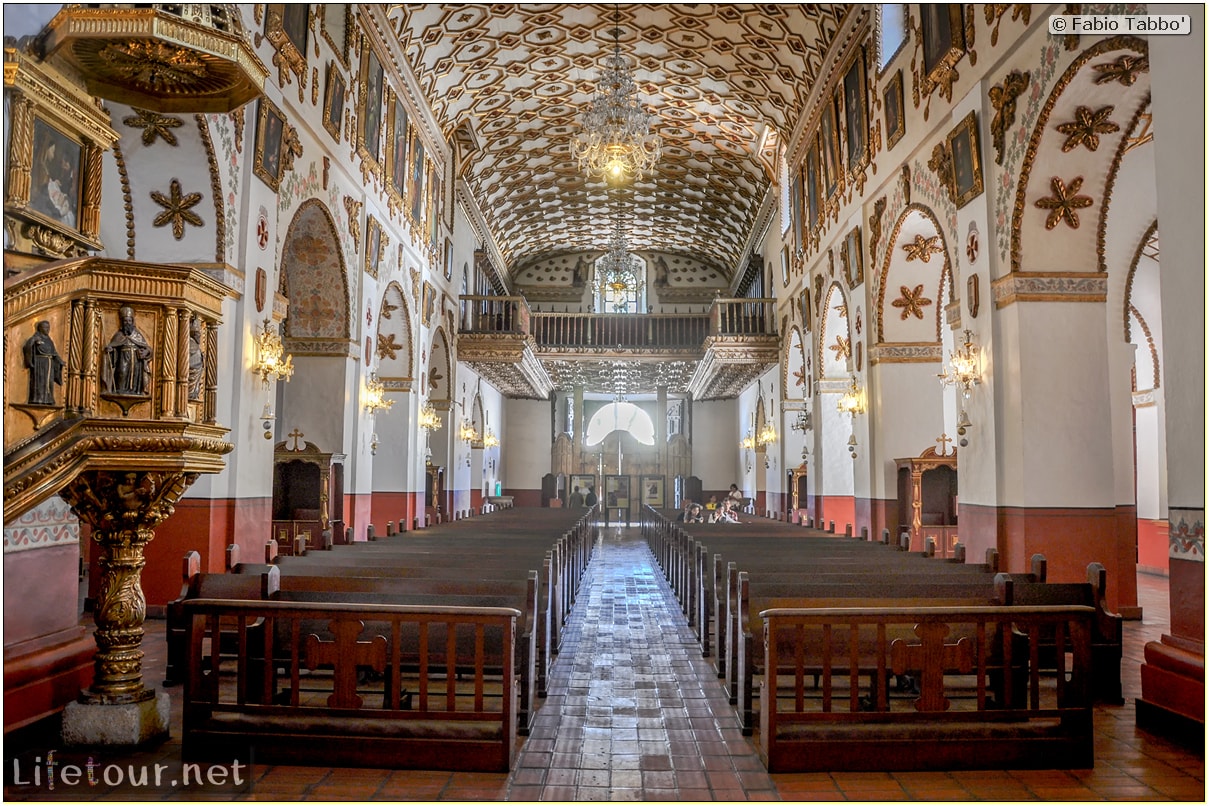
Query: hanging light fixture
x=619 y=273
x=429 y=419
x=616 y=140
x=852 y=401
x=271 y=357
x=490 y=440
x=965 y=367
x=375 y=395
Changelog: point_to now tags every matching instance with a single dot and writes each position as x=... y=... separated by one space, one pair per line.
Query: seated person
x=695 y=514
x=734 y=496
x=712 y=504
x=727 y=513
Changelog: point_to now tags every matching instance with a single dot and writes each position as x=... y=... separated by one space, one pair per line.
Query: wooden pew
x=196 y=585
x=1107 y=626
x=531 y=664
x=754 y=598
x=459 y=716
x=956 y=721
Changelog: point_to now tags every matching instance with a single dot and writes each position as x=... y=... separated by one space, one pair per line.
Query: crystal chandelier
x=964 y=370
x=852 y=401
x=619 y=272
x=429 y=419
x=616 y=140
x=375 y=395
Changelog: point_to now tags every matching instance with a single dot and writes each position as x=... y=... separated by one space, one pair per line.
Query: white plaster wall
x=907 y=416
x=527 y=443
x=1064 y=450
x=1152 y=462
x=717 y=458
x=1178 y=81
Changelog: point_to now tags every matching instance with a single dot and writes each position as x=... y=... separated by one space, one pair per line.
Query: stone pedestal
x=117 y=725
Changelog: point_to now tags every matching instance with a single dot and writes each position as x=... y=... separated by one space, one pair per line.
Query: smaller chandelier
x=852 y=401
x=616 y=141
x=619 y=272
x=467 y=432
x=965 y=367
x=490 y=440
x=429 y=419
x=375 y=395
x=271 y=358
x=748 y=442
x=802 y=423
x=767 y=435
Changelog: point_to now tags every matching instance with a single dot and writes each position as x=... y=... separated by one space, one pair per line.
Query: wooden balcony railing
x=574 y=331
x=561 y=331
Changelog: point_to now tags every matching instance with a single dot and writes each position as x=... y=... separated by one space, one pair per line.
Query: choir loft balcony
x=712 y=355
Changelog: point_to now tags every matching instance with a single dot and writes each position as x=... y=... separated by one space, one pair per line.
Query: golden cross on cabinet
x=295 y=435
x=944 y=441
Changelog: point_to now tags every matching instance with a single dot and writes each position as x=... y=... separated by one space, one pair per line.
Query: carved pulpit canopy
x=184 y=57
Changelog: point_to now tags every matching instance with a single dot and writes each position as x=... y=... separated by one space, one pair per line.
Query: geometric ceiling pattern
x=719 y=80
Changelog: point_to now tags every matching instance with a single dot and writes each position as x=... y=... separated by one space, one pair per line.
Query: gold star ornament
x=1086 y=128
x=177 y=209
x=1064 y=203
x=912 y=302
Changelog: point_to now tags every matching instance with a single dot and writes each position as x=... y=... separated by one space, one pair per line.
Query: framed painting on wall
x=373 y=246
x=967 y=167
x=854 y=264
x=333 y=102
x=856 y=112
x=369 y=136
x=892 y=102
x=943 y=35
x=652 y=491
x=54 y=189
x=270 y=126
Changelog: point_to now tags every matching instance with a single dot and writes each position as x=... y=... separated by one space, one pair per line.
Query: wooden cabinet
x=301 y=494
x=927 y=499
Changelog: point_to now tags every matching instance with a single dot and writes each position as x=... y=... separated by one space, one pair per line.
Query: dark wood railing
x=574 y=331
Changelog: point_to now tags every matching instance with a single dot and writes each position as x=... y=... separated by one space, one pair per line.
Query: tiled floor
x=634 y=713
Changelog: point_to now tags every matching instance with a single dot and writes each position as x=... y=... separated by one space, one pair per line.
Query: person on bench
x=577 y=498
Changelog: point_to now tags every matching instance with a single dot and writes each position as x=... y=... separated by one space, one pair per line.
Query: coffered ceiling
x=724 y=83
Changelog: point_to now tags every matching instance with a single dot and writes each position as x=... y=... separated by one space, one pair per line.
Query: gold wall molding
x=220 y=215
x=1124 y=147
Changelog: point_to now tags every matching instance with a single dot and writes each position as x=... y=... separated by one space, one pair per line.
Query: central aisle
x=634 y=712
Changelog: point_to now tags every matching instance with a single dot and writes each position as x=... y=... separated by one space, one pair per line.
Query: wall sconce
x=429 y=419
x=965 y=367
x=266 y=419
x=490 y=440
x=271 y=358
x=467 y=432
x=852 y=446
x=375 y=395
x=853 y=401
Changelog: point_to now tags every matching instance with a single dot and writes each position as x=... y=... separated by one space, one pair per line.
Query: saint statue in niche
x=127 y=365
x=44 y=365
x=197 y=364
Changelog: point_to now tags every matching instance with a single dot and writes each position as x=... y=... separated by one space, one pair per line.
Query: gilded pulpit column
x=123 y=508
x=90 y=210
x=210 y=403
x=21 y=148
x=168 y=362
